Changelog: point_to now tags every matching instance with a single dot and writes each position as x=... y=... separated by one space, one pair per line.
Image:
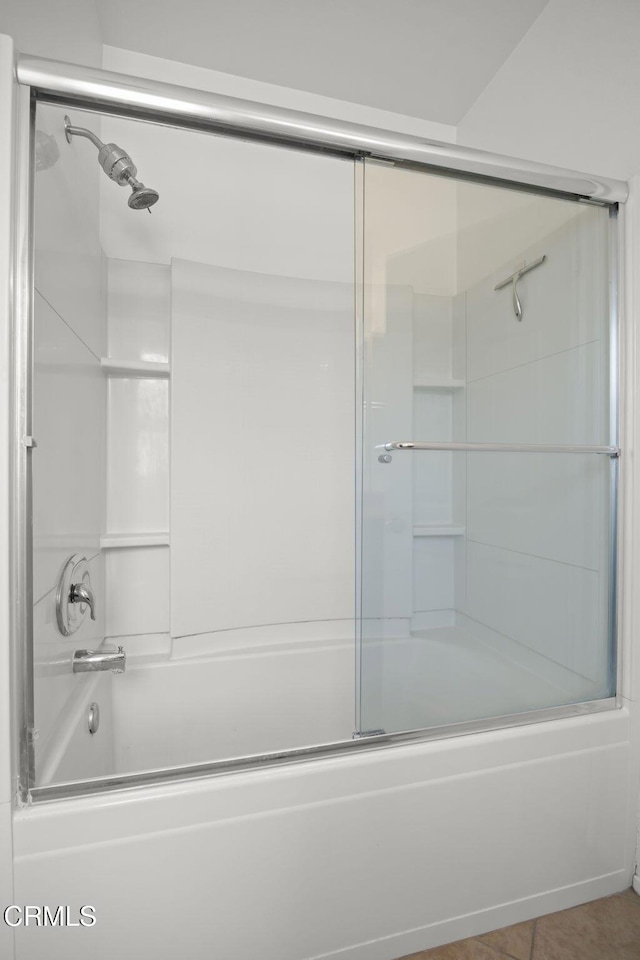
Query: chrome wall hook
x=513 y=279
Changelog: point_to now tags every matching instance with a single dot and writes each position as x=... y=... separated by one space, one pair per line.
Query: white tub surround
x=263 y=509
x=367 y=858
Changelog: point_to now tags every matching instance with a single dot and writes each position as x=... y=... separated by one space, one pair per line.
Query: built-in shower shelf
x=135 y=368
x=112 y=541
x=439 y=530
x=436 y=383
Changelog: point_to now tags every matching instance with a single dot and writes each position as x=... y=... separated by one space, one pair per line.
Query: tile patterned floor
x=607 y=929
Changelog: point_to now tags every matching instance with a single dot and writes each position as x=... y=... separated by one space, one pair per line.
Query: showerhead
x=142 y=197
x=118 y=166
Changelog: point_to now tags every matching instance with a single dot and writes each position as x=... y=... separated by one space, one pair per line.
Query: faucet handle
x=74 y=594
x=82 y=593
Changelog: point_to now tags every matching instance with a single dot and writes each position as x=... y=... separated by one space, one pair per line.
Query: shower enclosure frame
x=146 y=100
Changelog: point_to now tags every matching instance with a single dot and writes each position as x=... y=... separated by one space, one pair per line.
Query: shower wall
x=263 y=483
x=136 y=537
x=410 y=286
x=537 y=534
x=252 y=223
x=69 y=420
x=510 y=550
x=229 y=364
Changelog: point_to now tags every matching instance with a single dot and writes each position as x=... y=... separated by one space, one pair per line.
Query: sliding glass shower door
x=271 y=485
x=489 y=453
x=193 y=494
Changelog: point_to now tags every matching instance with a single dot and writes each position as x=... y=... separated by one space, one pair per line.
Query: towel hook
x=513 y=279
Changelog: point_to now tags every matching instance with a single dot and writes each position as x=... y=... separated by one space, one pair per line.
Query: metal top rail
x=164 y=102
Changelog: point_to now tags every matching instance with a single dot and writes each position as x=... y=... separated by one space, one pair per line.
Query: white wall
x=67 y=30
x=262 y=486
x=567 y=95
x=428 y=60
x=137 y=577
x=199 y=78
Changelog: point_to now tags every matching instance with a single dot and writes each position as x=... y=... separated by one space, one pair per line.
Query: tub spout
x=90 y=661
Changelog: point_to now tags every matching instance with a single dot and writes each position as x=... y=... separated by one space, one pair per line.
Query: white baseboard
x=635 y=883
x=474 y=924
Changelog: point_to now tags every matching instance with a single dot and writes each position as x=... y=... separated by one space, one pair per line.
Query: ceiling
x=423 y=58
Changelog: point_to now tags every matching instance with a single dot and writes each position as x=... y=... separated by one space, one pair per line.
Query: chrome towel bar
x=496 y=447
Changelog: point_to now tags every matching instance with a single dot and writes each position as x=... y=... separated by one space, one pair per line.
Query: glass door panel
x=487 y=553
x=193 y=399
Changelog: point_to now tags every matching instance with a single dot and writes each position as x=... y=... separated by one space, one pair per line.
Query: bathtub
x=255 y=691
x=473 y=832
x=209 y=698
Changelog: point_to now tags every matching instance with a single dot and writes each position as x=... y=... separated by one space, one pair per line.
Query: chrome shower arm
x=118 y=166
x=71 y=131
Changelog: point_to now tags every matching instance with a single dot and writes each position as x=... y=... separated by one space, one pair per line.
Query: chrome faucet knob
x=82 y=593
x=74 y=595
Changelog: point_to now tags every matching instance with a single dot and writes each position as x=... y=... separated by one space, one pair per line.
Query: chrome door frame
x=146 y=100
x=21 y=391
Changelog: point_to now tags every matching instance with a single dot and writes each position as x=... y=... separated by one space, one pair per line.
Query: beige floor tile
x=607 y=929
x=462 y=950
x=631 y=894
x=514 y=941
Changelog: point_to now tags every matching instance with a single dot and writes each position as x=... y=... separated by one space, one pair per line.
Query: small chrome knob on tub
x=90 y=661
